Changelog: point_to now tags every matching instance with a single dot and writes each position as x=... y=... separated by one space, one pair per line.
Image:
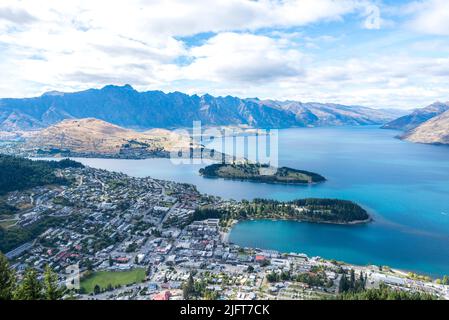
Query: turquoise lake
x=404 y=186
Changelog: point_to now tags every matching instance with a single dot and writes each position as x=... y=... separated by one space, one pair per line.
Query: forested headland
x=312 y=210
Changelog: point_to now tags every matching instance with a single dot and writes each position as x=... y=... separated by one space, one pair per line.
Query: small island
x=333 y=211
x=260 y=173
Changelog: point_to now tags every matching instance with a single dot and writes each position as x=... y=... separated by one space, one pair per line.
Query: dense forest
x=20 y=173
x=260 y=173
x=13 y=237
x=313 y=210
x=6 y=209
x=384 y=293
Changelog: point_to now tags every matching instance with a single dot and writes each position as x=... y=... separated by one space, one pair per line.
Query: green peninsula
x=260 y=173
x=333 y=211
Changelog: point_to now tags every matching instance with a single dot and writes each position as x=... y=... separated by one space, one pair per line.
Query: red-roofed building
x=162 y=296
x=122 y=259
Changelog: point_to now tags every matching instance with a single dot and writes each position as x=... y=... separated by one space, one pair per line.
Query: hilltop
x=427 y=125
x=433 y=131
x=96 y=137
x=418 y=117
x=18 y=173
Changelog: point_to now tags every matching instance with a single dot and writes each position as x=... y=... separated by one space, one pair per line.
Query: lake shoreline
x=302 y=184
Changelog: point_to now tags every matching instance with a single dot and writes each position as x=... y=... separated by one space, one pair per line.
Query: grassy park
x=111 y=278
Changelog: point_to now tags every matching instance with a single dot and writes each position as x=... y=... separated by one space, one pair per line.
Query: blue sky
x=378 y=53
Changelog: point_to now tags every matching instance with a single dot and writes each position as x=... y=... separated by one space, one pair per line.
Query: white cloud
x=431 y=16
x=186 y=18
x=243 y=58
x=399 y=81
x=180 y=17
x=256 y=49
x=77 y=44
x=16 y=16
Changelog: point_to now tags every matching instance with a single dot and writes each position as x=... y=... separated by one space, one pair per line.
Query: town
x=111 y=236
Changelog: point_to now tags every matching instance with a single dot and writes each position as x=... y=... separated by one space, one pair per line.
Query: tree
x=210 y=295
x=272 y=277
x=30 y=288
x=189 y=288
x=88 y=264
x=97 y=289
x=7 y=279
x=285 y=276
x=344 y=284
x=360 y=284
x=265 y=263
x=51 y=287
x=352 y=279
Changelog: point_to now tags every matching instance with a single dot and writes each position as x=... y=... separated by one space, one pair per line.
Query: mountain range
x=427 y=125
x=418 y=117
x=126 y=107
x=433 y=131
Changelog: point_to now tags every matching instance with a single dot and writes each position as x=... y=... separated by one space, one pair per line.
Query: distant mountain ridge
x=428 y=125
x=126 y=107
x=433 y=131
x=418 y=117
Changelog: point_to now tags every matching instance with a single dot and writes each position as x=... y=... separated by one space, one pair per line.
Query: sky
x=377 y=53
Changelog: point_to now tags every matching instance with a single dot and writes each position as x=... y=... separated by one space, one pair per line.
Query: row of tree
x=354 y=288
x=312 y=279
x=352 y=283
x=32 y=286
x=384 y=293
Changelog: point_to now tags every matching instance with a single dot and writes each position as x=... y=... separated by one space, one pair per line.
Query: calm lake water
x=405 y=187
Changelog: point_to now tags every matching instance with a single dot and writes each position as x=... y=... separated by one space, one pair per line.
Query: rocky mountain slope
x=417 y=117
x=433 y=131
x=126 y=107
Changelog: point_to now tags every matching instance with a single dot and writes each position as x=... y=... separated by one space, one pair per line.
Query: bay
x=405 y=186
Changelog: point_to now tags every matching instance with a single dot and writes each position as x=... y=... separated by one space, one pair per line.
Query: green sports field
x=113 y=278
